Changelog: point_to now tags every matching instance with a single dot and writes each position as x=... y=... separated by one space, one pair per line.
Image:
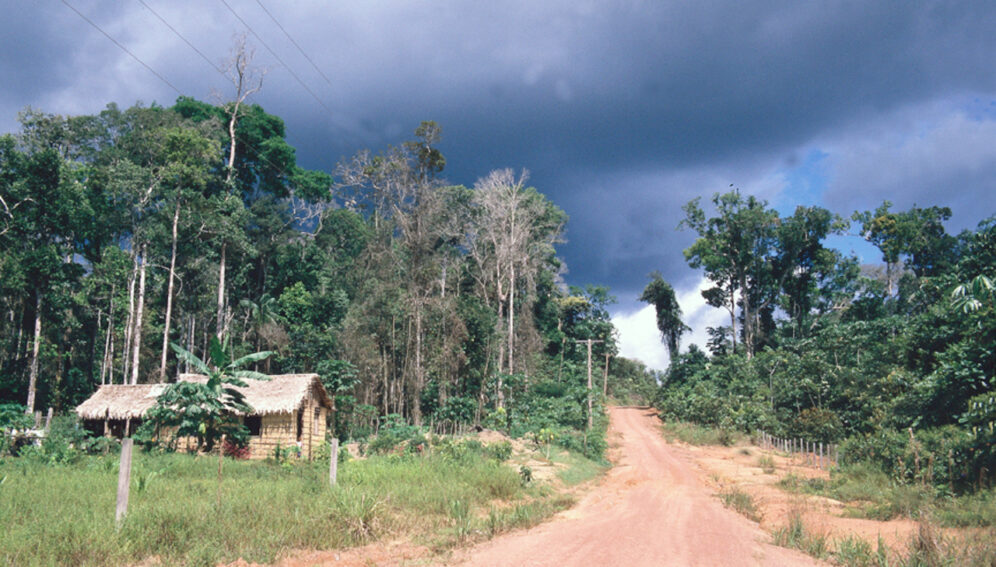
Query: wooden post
x=124 y=481
x=48 y=419
x=821 y=455
x=221 y=459
x=333 y=460
x=605 y=378
x=589 y=342
x=589 y=383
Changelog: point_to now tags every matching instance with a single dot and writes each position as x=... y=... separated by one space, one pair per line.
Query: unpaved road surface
x=652 y=509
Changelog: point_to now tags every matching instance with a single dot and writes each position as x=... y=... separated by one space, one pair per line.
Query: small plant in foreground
x=855 y=552
x=795 y=535
x=767 y=464
x=526 y=474
x=741 y=502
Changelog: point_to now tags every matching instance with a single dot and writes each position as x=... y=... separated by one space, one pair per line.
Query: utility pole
x=589 y=342
x=605 y=377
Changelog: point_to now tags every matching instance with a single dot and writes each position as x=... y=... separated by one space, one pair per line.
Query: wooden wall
x=282 y=429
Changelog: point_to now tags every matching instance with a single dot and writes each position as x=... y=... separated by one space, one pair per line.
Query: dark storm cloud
x=622 y=111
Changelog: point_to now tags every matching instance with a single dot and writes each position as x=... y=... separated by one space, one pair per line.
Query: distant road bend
x=652 y=509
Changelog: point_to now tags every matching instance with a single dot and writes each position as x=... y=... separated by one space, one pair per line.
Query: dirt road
x=652 y=509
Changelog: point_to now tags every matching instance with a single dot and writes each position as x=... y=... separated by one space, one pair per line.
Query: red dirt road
x=652 y=509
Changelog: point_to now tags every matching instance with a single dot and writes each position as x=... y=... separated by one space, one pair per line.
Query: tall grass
x=64 y=515
x=742 y=502
x=695 y=434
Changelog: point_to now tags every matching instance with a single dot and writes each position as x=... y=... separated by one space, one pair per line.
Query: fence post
x=821 y=455
x=333 y=460
x=48 y=419
x=124 y=481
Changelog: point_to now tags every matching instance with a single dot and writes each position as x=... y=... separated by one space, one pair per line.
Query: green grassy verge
x=695 y=434
x=64 y=514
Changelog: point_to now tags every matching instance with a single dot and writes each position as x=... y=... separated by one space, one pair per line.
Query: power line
x=295 y=43
x=163 y=79
x=277 y=57
x=179 y=35
x=122 y=47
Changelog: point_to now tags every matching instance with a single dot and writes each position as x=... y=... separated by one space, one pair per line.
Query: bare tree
x=510 y=240
x=247 y=80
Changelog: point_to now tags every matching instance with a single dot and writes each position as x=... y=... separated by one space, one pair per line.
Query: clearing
x=652 y=508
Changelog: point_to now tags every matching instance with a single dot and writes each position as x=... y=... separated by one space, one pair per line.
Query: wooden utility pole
x=589 y=342
x=605 y=377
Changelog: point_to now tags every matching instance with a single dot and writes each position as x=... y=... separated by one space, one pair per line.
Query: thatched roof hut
x=282 y=393
x=120 y=401
x=288 y=410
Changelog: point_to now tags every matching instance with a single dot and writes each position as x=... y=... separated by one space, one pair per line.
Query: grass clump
x=767 y=464
x=695 y=434
x=856 y=552
x=741 y=502
x=796 y=535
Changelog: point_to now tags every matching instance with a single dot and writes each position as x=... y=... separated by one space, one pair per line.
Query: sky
x=621 y=111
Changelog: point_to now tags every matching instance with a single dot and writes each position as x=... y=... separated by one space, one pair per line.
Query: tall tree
x=660 y=294
x=735 y=248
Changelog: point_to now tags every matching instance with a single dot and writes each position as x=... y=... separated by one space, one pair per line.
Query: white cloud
x=639 y=338
x=638 y=335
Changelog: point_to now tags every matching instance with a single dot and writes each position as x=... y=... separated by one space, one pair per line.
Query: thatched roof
x=282 y=393
x=120 y=401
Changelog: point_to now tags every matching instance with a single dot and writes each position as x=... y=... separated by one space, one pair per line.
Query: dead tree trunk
x=139 y=309
x=221 y=294
x=35 y=350
x=169 y=296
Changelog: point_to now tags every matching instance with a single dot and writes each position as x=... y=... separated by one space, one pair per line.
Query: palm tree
x=207 y=410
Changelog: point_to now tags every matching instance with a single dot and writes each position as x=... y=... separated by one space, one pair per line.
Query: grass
x=928 y=546
x=695 y=434
x=871 y=494
x=767 y=464
x=796 y=535
x=64 y=515
x=741 y=502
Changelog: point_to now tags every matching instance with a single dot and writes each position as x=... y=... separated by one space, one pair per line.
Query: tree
x=735 y=248
x=514 y=232
x=660 y=294
x=917 y=234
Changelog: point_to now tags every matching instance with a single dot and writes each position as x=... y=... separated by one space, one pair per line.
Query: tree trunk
x=511 y=320
x=749 y=323
x=733 y=316
x=221 y=294
x=108 y=359
x=139 y=309
x=130 y=321
x=35 y=350
x=419 y=375
x=169 y=297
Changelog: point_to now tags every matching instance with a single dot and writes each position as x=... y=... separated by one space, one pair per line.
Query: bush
x=500 y=451
x=398 y=437
x=817 y=424
x=939 y=456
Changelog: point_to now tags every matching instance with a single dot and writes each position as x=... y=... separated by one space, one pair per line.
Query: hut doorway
x=300 y=424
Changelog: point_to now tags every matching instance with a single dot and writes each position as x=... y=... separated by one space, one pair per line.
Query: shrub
x=397 y=436
x=500 y=451
x=817 y=424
